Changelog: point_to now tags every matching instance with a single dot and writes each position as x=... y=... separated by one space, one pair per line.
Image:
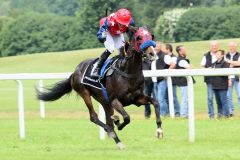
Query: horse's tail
x=56 y=92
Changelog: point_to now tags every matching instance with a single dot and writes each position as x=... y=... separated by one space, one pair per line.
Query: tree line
x=29 y=26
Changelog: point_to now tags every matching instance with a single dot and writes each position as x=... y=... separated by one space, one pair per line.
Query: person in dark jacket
x=220 y=85
x=163 y=61
x=208 y=59
x=169 y=50
x=233 y=59
x=183 y=63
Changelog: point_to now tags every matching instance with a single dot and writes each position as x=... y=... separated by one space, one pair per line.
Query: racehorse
x=124 y=86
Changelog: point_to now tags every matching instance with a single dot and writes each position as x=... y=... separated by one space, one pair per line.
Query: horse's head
x=143 y=42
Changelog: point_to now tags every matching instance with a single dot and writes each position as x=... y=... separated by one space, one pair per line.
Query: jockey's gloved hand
x=104 y=34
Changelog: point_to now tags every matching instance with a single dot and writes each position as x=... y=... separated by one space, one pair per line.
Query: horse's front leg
x=117 y=105
x=143 y=100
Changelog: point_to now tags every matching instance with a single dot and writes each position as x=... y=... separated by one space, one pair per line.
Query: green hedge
x=35 y=33
x=208 y=23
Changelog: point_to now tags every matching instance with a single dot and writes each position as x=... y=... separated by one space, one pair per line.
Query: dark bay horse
x=124 y=87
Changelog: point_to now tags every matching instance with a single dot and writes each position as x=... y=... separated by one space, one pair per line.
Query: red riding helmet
x=123 y=16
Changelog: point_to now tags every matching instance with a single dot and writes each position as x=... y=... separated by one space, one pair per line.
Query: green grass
x=77 y=138
x=67 y=133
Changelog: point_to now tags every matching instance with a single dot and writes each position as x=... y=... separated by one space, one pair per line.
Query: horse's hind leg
x=143 y=100
x=119 y=108
x=94 y=118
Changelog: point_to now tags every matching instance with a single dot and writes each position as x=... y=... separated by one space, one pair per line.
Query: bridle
x=130 y=54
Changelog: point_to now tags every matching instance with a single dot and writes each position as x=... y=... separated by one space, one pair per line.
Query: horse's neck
x=134 y=65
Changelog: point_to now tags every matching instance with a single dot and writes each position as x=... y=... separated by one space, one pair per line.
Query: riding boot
x=101 y=60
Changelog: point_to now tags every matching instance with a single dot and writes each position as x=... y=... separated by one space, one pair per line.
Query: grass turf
x=78 y=139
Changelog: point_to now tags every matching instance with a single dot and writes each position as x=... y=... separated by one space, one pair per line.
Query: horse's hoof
x=159 y=133
x=120 y=128
x=120 y=146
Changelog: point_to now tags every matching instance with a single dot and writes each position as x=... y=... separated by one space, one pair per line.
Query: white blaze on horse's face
x=150 y=53
x=154 y=53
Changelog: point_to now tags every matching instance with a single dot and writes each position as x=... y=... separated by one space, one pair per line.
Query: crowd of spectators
x=220 y=87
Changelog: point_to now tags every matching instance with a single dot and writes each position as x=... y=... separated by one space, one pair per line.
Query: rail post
x=191 y=109
x=21 y=110
x=102 y=119
x=42 y=108
x=170 y=97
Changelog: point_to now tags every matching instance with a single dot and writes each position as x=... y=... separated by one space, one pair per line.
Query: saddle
x=106 y=70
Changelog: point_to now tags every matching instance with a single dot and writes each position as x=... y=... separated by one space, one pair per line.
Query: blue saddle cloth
x=105 y=67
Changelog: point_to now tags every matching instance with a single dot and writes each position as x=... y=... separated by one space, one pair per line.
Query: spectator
x=208 y=59
x=183 y=63
x=148 y=86
x=220 y=85
x=169 y=50
x=233 y=59
x=163 y=61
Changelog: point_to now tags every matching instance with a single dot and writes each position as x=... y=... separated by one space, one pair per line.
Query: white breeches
x=114 y=41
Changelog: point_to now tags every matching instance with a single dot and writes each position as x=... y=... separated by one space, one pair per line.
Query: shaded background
x=29 y=26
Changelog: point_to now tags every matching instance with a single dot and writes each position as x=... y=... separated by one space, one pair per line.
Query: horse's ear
x=153 y=37
x=145 y=27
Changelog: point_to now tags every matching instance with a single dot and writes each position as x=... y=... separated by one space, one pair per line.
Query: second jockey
x=111 y=34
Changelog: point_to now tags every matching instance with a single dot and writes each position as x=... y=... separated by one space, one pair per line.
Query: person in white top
x=208 y=59
x=233 y=59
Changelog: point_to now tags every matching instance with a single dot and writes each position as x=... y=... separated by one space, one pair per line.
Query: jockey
x=111 y=34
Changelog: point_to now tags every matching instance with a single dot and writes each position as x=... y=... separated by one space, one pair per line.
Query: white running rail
x=153 y=73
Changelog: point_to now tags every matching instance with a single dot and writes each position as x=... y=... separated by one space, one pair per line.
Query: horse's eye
x=139 y=38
